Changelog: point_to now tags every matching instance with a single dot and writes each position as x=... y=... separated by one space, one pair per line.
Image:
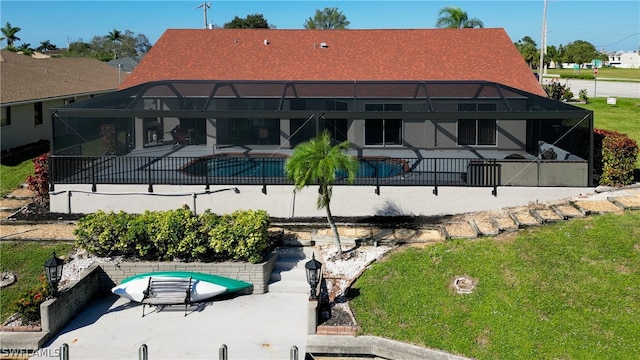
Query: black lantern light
x=53 y=270
x=313 y=268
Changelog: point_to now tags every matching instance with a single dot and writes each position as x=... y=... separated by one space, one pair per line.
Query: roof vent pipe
x=266 y=42
x=324 y=45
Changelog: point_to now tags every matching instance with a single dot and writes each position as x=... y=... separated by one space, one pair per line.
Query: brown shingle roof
x=25 y=78
x=421 y=54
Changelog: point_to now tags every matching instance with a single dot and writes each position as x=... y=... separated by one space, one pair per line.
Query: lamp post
x=53 y=270
x=313 y=268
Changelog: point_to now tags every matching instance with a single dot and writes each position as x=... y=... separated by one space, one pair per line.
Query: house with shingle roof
x=440 y=107
x=344 y=55
x=32 y=86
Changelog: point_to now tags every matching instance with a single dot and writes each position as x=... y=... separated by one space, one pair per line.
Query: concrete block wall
x=56 y=313
x=256 y=274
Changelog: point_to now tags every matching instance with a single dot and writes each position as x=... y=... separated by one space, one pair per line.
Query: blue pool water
x=274 y=167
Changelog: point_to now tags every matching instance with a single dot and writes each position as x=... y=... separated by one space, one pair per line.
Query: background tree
x=454 y=17
x=46 y=46
x=553 y=54
x=580 y=52
x=255 y=21
x=328 y=18
x=9 y=33
x=79 y=48
x=318 y=161
x=104 y=48
x=25 y=49
x=114 y=36
x=143 y=45
x=529 y=51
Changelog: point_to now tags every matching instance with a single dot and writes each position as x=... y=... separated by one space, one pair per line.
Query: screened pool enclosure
x=442 y=130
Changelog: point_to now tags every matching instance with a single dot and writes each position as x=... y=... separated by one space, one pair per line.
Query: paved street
x=603 y=88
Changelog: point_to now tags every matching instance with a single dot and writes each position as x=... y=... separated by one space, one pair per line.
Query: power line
x=619 y=41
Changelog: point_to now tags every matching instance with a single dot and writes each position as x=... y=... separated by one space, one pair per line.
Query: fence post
x=223 y=353
x=64 y=352
x=293 y=353
x=93 y=176
x=143 y=352
x=206 y=172
x=435 y=177
x=52 y=174
x=150 y=189
x=264 y=185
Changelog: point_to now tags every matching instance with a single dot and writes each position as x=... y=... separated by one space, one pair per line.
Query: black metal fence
x=373 y=171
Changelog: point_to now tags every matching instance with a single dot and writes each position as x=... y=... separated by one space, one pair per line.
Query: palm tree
x=9 y=33
x=455 y=18
x=318 y=161
x=46 y=46
x=114 y=36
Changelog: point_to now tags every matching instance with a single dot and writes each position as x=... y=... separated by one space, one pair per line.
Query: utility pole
x=205 y=6
x=543 y=46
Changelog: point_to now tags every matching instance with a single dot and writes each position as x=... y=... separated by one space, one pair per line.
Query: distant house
x=32 y=86
x=450 y=107
x=624 y=59
x=125 y=64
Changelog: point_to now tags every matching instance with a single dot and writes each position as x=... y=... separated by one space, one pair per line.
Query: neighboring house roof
x=272 y=54
x=126 y=64
x=25 y=78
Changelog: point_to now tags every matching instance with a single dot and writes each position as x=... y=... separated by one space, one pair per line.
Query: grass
x=622 y=117
x=563 y=291
x=12 y=176
x=26 y=260
x=606 y=72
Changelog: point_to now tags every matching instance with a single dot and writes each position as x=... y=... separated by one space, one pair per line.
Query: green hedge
x=177 y=235
x=585 y=76
x=616 y=155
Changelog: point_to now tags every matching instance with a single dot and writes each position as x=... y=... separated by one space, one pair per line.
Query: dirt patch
x=598 y=206
x=38 y=231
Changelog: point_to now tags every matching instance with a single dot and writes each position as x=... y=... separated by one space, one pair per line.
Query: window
x=383 y=132
x=476 y=131
x=37 y=113
x=6 y=116
x=337 y=128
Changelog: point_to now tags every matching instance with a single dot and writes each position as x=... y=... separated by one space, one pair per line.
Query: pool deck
x=203 y=150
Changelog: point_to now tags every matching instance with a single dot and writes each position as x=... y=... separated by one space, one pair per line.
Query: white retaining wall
x=282 y=202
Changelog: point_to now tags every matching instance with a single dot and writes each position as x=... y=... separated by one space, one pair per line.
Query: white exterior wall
x=281 y=202
x=625 y=59
x=23 y=130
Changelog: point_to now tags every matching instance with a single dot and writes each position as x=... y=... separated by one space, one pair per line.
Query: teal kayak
x=204 y=285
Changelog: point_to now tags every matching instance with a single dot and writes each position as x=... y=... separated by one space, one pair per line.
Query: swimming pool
x=240 y=165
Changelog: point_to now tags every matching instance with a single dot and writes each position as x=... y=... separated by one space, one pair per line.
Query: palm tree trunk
x=332 y=224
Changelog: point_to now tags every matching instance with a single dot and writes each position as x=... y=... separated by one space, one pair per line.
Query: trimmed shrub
x=619 y=154
x=583 y=96
x=242 y=235
x=177 y=235
x=557 y=91
x=28 y=304
x=39 y=181
x=583 y=76
x=104 y=234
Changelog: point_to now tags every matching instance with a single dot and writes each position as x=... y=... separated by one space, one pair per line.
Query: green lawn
x=12 y=176
x=564 y=291
x=624 y=117
x=26 y=260
x=609 y=73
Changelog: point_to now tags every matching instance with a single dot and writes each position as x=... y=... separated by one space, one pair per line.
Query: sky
x=608 y=25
